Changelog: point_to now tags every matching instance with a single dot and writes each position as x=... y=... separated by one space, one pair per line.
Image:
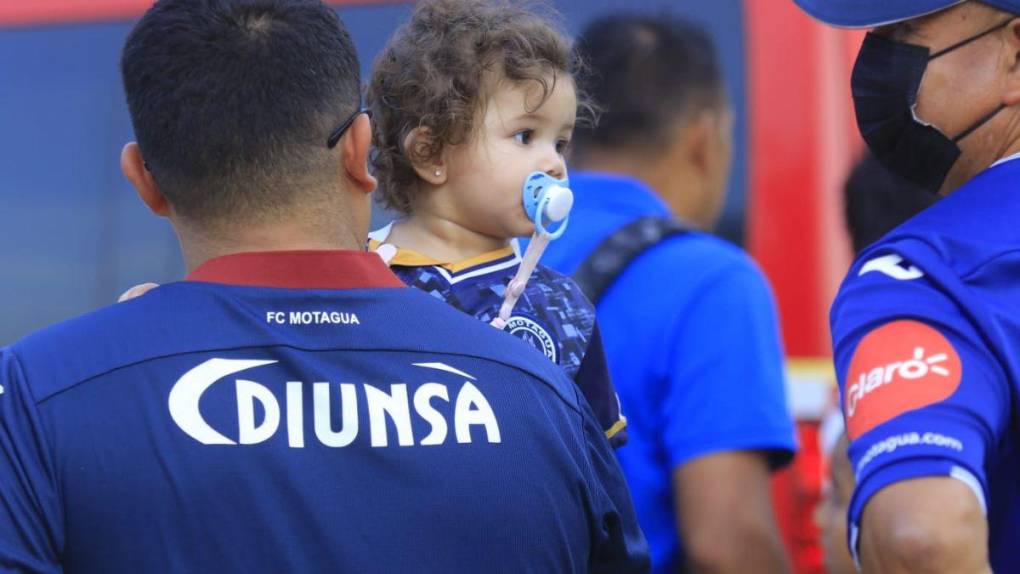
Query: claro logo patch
x=899 y=367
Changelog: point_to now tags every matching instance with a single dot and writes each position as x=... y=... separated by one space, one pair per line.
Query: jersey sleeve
x=618 y=546
x=597 y=386
x=723 y=369
x=922 y=392
x=30 y=522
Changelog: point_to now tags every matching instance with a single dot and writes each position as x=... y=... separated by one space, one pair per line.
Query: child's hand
x=137 y=291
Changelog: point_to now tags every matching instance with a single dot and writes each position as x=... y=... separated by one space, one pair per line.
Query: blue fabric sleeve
x=30 y=521
x=959 y=432
x=724 y=370
x=619 y=546
x=950 y=436
x=597 y=386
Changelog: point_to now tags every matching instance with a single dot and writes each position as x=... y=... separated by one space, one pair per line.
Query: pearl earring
x=438 y=173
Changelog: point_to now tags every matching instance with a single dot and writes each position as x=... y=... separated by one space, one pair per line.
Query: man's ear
x=418 y=146
x=133 y=165
x=356 y=146
x=697 y=139
x=705 y=141
x=1011 y=92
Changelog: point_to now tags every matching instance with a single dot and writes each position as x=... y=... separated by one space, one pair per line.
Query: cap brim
x=871 y=13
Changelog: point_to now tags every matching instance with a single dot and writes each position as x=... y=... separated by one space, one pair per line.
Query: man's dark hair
x=877 y=201
x=232 y=101
x=645 y=74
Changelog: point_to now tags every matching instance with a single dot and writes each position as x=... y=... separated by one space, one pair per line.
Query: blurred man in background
x=876 y=201
x=690 y=327
x=830 y=515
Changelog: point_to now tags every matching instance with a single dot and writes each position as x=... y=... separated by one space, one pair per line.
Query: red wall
x=802 y=142
x=803 y=139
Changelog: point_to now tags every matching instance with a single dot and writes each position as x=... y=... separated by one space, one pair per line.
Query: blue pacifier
x=547 y=201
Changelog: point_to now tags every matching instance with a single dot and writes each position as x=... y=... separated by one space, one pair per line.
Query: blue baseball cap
x=872 y=13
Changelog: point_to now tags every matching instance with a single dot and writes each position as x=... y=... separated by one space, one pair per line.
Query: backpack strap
x=600 y=269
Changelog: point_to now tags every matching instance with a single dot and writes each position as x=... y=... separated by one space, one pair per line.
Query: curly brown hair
x=435 y=72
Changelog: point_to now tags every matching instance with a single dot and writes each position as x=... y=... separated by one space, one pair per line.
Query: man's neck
x=615 y=162
x=1011 y=150
x=661 y=176
x=973 y=163
x=199 y=247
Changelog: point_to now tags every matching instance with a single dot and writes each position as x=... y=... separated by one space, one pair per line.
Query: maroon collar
x=299 y=270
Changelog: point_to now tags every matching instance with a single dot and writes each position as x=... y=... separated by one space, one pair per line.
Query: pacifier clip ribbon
x=547 y=202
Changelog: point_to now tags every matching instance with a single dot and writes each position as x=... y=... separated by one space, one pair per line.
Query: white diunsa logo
x=471 y=408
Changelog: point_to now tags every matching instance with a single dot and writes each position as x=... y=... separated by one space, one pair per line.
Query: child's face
x=513 y=140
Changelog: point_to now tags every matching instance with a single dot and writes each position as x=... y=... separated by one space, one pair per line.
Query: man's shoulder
x=902 y=276
x=455 y=332
x=703 y=248
x=187 y=318
x=938 y=254
x=963 y=234
x=66 y=353
x=690 y=263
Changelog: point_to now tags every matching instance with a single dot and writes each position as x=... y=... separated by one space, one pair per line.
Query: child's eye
x=524 y=136
x=562 y=146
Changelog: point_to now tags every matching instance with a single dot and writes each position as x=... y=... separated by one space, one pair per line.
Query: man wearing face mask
x=926 y=326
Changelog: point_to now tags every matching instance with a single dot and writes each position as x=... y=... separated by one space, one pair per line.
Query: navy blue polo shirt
x=692 y=340
x=300 y=412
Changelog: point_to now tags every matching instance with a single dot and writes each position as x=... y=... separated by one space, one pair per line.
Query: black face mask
x=885 y=82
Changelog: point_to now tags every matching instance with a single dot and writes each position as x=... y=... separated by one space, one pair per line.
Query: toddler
x=472 y=102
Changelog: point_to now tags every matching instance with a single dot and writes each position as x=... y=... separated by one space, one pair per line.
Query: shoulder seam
x=887 y=246
x=970 y=272
x=48 y=446
x=21 y=370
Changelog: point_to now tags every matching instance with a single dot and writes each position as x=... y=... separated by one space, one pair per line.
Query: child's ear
x=421 y=149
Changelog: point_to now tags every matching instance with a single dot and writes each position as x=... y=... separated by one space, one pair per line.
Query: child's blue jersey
x=300 y=412
x=926 y=331
x=552 y=315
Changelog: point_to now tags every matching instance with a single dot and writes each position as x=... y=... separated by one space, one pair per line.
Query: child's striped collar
x=488 y=262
